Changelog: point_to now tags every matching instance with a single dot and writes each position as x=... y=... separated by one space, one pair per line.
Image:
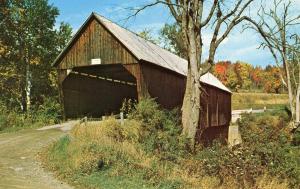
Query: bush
x=296 y=137
x=49 y=112
x=45 y=114
x=266 y=149
x=10 y=118
x=161 y=129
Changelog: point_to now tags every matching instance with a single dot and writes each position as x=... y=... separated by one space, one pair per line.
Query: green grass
x=258 y=101
x=75 y=158
x=148 y=151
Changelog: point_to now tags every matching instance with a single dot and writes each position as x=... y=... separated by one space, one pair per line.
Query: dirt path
x=19 y=167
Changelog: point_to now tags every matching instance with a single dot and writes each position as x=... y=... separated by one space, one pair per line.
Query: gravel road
x=19 y=165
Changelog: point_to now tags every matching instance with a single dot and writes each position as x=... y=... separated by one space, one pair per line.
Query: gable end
x=93 y=41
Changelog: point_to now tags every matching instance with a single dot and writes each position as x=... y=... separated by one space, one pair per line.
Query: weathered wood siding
x=164 y=85
x=215 y=106
x=168 y=88
x=136 y=71
x=95 y=42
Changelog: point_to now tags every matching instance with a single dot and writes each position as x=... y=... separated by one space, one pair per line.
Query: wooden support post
x=217 y=113
x=141 y=85
x=122 y=118
x=62 y=74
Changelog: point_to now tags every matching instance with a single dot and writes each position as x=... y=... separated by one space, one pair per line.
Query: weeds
x=45 y=114
x=147 y=151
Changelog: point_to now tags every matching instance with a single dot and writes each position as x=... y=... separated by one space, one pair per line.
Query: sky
x=239 y=45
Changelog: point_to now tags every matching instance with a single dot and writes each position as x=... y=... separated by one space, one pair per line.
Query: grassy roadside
x=258 y=101
x=12 y=120
x=149 y=152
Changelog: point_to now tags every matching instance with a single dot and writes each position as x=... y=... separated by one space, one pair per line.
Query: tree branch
x=211 y=13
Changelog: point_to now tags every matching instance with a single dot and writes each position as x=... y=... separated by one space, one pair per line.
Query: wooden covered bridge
x=104 y=63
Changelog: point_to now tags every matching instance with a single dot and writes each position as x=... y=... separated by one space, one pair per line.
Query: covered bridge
x=104 y=63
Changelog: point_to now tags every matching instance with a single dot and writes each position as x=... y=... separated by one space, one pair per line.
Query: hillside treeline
x=241 y=76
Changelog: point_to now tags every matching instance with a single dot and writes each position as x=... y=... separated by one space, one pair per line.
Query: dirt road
x=19 y=167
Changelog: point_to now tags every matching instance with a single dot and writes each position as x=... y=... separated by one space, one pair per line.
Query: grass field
x=258 y=100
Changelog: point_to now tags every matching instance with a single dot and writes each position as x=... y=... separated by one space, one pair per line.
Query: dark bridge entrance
x=97 y=90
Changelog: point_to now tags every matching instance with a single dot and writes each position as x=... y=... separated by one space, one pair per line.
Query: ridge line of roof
x=137 y=35
x=144 y=49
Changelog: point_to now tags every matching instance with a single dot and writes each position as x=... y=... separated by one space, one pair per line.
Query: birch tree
x=194 y=17
x=28 y=44
x=278 y=29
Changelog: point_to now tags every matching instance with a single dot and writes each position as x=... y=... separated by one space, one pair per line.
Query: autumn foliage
x=242 y=75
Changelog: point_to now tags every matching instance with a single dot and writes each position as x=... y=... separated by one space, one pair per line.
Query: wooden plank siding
x=168 y=87
x=165 y=85
x=96 y=42
x=137 y=72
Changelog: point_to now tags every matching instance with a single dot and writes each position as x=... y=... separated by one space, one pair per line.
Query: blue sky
x=238 y=46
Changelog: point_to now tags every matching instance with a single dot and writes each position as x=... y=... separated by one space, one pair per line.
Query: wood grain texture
x=95 y=42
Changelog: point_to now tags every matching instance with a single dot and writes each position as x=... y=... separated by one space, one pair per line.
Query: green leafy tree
x=171 y=36
x=147 y=34
x=29 y=43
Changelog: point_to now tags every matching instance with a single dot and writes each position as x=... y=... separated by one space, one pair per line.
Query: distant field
x=258 y=100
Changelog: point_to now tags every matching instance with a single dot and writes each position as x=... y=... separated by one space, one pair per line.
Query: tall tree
x=146 y=34
x=272 y=80
x=243 y=70
x=256 y=76
x=277 y=28
x=30 y=41
x=192 y=19
x=171 y=35
x=232 y=79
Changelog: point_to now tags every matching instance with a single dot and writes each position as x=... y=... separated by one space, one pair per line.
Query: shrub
x=161 y=129
x=128 y=106
x=45 y=114
x=10 y=118
x=296 y=137
x=266 y=149
x=49 y=112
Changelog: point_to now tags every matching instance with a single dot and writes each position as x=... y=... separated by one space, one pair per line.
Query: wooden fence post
x=122 y=118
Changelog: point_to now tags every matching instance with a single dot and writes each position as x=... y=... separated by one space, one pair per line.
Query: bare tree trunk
x=191 y=106
x=28 y=86
x=286 y=66
x=298 y=106
x=186 y=104
x=290 y=91
x=298 y=96
x=298 y=93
